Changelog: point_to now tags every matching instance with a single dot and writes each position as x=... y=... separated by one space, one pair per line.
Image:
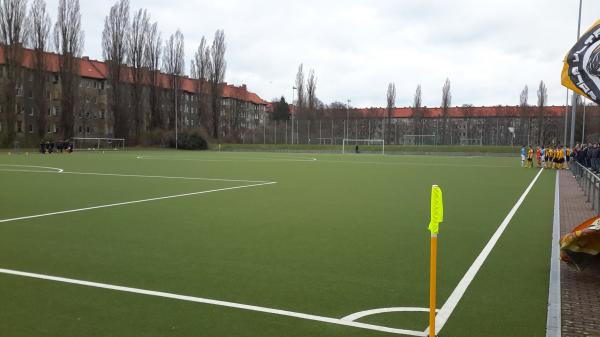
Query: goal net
x=363 y=145
x=419 y=140
x=471 y=141
x=93 y=144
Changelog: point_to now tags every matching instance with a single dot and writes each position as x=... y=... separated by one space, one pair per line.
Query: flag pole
x=432 y=284
x=437 y=216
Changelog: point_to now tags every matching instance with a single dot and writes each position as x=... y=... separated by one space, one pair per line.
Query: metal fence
x=589 y=182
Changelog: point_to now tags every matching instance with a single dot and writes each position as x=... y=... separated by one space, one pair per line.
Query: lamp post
x=347 y=116
x=293 y=108
x=574 y=100
x=583 y=126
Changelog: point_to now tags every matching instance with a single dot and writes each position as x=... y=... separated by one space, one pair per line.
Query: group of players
x=556 y=157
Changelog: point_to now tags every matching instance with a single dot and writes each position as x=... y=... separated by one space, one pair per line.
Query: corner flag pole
x=437 y=216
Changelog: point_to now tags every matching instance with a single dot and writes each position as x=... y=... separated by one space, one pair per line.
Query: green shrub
x=190 y=140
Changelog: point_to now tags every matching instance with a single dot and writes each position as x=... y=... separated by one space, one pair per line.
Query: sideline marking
x=54 y=169
x=458 y=292
x=228 y=159
x=136 y=175
x=361 y=314
x=553 y=319
x=135 y=202
x=214 y=302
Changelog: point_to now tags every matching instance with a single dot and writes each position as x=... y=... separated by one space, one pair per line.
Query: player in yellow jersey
x=549 y=157
x=529 y=157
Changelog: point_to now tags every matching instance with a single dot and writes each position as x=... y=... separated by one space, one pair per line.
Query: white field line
x=53 y=169
x=553 y=319
x=165 y=177
x=137 y=176
x=413 y=163
x=458 y=292
x=229 y=159
x=214 y=302
x=361 y=314
x=135 y=202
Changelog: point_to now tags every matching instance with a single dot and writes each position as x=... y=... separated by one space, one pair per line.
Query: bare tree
x=218 y=66
x=524 y=115
x=39 y=32
x=417 y=111
x=173 y=65
x=138 y=34
x=300 y=91
x=311 y=88
x=68 y=40
x=12 y=37
x=542 y=94
x=199 y=71
x=391 y=104
x=468 y=111
x=446 y=102
x=152 y=58
x=114 y=48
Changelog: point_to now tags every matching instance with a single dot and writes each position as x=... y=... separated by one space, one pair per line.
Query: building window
x=19 y=126
x=80 y=129
x=30 y=128
x=87 y=130
x=30 y=111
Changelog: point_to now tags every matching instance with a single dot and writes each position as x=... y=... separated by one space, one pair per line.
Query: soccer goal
x=94 y=144
x=368 y=145
x=419 y=140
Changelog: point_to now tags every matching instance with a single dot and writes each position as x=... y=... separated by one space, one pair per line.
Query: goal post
x=419 y=140
x=92 y=143
x=368 y=142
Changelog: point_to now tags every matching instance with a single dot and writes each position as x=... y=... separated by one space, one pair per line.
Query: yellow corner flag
x=437 y=216
x=437 y=209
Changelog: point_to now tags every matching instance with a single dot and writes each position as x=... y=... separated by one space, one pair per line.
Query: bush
x=155 y=137
x=190 y=140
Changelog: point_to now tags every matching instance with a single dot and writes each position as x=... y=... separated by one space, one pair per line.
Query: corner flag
x=437 y=216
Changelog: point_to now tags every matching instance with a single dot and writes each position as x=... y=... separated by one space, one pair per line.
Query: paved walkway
x=580 y=290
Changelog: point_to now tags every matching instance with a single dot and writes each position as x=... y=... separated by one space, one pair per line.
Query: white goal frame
x=97 y=142
x=419 y=139
x=364 y=142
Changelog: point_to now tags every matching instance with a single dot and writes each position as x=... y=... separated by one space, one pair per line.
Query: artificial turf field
x=319 y=234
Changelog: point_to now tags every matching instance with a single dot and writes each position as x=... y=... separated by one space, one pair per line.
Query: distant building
x=93 y=118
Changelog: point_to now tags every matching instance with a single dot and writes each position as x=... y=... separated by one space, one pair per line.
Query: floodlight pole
x=574 y=100
x=293 y=108
x=347 y=116
x=566 y=118
x=583 y=126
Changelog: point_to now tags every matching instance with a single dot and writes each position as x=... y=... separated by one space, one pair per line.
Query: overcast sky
x=488 y=49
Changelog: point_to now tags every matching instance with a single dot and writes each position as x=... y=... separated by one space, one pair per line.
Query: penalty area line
x=248 y=307
x=458 y=292
x=135 y=202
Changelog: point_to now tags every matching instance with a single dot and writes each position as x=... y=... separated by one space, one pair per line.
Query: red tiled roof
x=99 y=70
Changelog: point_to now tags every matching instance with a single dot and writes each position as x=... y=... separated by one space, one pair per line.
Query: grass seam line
x=461 y=288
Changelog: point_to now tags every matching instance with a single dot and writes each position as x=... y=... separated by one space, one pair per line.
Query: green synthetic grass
x=334 y=236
